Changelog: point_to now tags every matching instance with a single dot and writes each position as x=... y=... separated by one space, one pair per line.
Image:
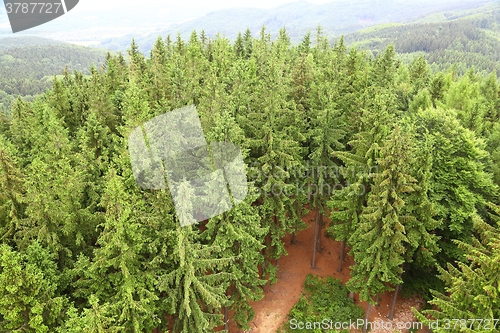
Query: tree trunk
x=226 y=319
x=393 y=305
x=320 y=229
x=294 y=238
x=341 y=256
x=266 y=253
x=351 y=295
x=162 y=327
x=367 y=315
x=277 y=263
x=315 y=241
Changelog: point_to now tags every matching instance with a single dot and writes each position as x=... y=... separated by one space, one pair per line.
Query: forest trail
x=271 y=312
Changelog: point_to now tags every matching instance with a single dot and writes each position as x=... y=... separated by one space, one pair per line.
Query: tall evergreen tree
x=237 y=232
x=11 y=192
x=459 y=186
x=421 y=227
x=54 y=214
x=360 y=164
x=273 y=130
x=197 y=284
x=379 y=241
x=115 y=274
x=471 y=287
x=326 y=131
x=29 y=295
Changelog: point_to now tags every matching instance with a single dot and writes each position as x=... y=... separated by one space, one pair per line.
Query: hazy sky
x=175 y=10
x=179 y=10
x=188 y=4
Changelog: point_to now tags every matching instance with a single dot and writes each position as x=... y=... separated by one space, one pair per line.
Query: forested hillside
x=406 y=165
x=467 y=42
x=17 y=42
x=28 y=65
x=337 y=18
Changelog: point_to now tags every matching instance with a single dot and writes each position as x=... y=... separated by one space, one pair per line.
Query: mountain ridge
x=465 y=42
x=336 y=18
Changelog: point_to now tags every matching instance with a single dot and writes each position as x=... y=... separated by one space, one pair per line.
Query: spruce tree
x=157 y=65
x=115 y=274
x=29 y=290
x=54 y=214
x=326 y=132
x=273 y=129
x=197 y=283
x=137 y=60
x=459 y=186
x=378 y=244
x=359 y=165
x=471 y=293
x=238 y=232
x=96 y=319
x=421 y=227
x=248 y=43
x=11 y=192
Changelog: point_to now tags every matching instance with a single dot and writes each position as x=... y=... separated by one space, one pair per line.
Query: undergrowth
x=322 y=300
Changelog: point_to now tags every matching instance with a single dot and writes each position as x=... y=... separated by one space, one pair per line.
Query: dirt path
x=279 y=298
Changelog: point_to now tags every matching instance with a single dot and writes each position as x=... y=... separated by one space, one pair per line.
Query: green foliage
x=420 y=257
x=12 y=191
x=379 y=242
x=472 y=287
x=274 y=129
x=195 y=295
x=460 y=43
x=363 y=149
x=407 y=161
x=94 y=319
x=29 y=299
x=459 y=183
x=238 y=232
x=115 y=275
x=26 y=69
x=322 y=298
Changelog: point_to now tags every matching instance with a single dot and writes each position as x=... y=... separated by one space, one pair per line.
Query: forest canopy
x=84 y=248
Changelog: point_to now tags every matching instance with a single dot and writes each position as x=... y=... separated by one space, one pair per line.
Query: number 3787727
x=33 y=7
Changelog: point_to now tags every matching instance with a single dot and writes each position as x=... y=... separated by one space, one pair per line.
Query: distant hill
x=28 y=64
x=17 y=42
x=466 y=42
x=336 y=18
